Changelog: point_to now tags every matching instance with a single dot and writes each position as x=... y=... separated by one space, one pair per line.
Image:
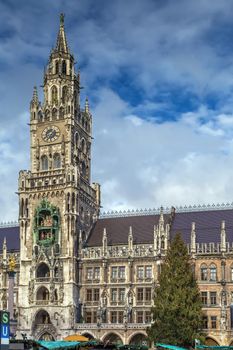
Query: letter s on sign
x=5 y=318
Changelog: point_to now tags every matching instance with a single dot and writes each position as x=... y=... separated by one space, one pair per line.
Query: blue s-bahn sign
x=4 y=330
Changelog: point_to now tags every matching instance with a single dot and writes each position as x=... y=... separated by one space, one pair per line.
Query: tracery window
x=56 y=161
x=204 y=273
x=54 y=95
x=44 y=162
x=213 y=272
x=64 y=67
x=64 y=94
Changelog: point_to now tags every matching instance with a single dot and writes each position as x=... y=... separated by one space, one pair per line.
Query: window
x=56 y=67
x=140 y=272
x=94 y=317
x=213 y=298
x=121 y=272
x=148 y=294
x=96 y=294
x=148 y=272
x=213 y=320
x=140 y=294
x=64 y=67
x=56 y=161
x=213 y=273
x=147 y=316
x=205 y=322
x=122 y=295
x=89 y=295
x=113 y=317
x=231 y=273
x=139 y=318
x=97 y=273
x=89 y=273
x=204 y=298
x=44 y=162
x=203 y=273
x=88 y=316
x=64 y=94
x=120 y=317
x=114 y=273
x=54 y=95
x=114 y=295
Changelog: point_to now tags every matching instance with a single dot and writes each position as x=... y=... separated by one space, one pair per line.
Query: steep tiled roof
x=208 y=225
x=118 y=228
x=12 y=237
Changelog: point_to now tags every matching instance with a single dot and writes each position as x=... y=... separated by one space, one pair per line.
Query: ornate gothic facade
x=78 y=271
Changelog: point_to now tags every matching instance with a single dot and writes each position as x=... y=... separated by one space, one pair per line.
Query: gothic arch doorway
x=112 y=338
x=46 y=336
x=211 y=342
x=139 y=339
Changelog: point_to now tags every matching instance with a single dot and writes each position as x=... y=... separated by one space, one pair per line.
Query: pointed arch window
x=56 y=161
x=76 y=139
x=213 y=272
x=54 y=95
x=204 y=273
x=61 y=112
x=56 y=67
x=64 y=67
x=64 y=94
x=54 y=113
x=44 y=163
x=83 y=146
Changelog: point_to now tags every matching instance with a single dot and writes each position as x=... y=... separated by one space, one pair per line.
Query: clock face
x=50 y=133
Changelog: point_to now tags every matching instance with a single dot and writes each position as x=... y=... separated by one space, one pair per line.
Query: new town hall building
x=79 y=271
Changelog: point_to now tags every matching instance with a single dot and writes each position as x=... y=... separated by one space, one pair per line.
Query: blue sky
x=159 y=77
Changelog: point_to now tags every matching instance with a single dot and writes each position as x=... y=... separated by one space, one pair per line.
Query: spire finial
x=35 y=95
x=87 y=105
x=62 y=17
x=61 y=45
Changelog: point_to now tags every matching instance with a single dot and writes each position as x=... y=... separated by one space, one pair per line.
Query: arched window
x=56 y=67
x=162 y=242
x=54 y=95
x=213 y=272
x=42 y=271
x=56 y=161
x=44 y=162
x=76 y=138
x=64 y=67
x=203 y=272
x=64 y=94
x=42 y=294
x=54 y=113
x=61 y=112
x=83 y=169
x=83 y=146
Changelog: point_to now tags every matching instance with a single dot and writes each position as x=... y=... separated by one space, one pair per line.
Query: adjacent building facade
x=75 y=270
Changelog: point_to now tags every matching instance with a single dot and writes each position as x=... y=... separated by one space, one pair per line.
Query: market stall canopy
x=170 y=347
x=57 y=345
x=76 y=337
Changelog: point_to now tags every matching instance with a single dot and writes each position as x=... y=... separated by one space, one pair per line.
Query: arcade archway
x=138 y=339
x=112 y=338
x=88 y=335
x=211 y=342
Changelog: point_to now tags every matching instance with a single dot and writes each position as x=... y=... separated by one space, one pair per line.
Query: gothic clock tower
x=58 y=204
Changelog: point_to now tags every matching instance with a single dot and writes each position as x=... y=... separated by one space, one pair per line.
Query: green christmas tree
x=177 y=312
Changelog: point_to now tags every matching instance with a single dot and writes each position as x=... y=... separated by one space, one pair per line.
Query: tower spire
x=61 y=45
